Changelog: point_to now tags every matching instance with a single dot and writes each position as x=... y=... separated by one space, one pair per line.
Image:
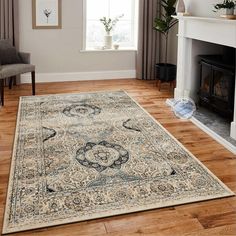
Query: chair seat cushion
x=15 y=69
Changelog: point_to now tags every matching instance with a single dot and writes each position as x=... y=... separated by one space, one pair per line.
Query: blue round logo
x=184 y=108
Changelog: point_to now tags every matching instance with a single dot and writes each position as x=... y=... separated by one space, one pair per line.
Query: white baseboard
x=79 y=76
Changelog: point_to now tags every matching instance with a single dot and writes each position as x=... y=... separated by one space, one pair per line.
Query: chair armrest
x=25 y=57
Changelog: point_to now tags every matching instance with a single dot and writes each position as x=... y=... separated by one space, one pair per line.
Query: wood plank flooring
x=215 y=217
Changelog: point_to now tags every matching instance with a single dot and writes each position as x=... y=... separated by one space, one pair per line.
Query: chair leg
x=11 y=82
x=159 y=85
x=171 y=85
x=2 y=92
x=33 y=82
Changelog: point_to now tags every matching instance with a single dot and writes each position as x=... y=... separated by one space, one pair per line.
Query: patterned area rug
x=85 y=156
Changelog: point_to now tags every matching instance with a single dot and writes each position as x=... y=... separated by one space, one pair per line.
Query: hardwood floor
x=215 y=217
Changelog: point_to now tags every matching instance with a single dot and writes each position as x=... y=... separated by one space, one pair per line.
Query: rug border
x=6 y=208
x=116 y=212
x=181 y=145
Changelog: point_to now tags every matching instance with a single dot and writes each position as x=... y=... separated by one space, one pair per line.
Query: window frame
x=134 y=31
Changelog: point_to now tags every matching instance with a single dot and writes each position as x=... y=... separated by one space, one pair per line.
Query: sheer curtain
x=149 y=41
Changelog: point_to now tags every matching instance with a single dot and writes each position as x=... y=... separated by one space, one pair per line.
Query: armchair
x=13 y=63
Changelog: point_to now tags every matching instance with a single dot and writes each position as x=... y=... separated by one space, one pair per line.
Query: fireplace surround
x=199 y=36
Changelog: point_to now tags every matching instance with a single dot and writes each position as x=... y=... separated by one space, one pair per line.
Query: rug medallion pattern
x=91 y=155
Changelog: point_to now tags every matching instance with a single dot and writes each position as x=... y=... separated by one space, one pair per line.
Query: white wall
x=58 y=51
x=202 y=7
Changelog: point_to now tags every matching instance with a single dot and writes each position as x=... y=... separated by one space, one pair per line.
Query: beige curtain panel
x=9 y=20
x=9 y=25
x=149 y=40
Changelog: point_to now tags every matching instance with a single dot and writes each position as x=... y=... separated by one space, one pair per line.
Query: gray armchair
x=13 y=63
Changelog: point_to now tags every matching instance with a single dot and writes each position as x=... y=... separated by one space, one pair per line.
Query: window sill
x=109 y=50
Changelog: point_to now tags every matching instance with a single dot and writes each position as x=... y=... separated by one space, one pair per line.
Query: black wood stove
x=217 y=84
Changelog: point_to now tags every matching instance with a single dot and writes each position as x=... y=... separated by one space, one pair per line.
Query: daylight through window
x=124 y=33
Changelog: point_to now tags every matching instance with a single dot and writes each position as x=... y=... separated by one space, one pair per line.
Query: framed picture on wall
x=46 y=14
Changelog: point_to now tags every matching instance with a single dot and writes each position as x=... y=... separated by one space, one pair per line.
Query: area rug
x=91 y=155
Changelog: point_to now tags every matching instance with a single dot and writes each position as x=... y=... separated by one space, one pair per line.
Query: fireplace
x=207 y=36
x=217 y=82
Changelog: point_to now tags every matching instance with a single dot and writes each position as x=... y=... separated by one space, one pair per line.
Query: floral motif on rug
x=84 y=156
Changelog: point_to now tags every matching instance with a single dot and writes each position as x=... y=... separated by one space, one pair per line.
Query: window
x=125 y=31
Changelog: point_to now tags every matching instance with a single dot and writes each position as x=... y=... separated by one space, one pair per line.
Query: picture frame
x=46 y=14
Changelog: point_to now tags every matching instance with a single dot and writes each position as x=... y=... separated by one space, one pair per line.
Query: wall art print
x=46 y=14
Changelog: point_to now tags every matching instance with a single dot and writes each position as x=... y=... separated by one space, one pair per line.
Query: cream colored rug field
x=85 y=156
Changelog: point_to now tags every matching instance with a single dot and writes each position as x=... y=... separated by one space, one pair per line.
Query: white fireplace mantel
x=214 y=30
x=192 y=32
